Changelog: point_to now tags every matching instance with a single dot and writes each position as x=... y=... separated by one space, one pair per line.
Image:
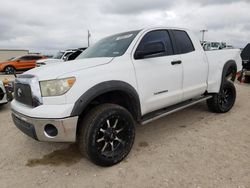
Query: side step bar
x=169 y=110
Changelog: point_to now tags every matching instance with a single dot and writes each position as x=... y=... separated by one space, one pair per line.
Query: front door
x=159 y=76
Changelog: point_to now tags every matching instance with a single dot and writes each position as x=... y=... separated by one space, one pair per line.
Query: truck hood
x=56 y=70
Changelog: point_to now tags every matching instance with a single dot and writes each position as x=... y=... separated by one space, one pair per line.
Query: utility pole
x=203 y=34
x=89 y=35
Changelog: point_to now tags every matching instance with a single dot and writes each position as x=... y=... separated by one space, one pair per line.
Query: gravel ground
x=191 y=148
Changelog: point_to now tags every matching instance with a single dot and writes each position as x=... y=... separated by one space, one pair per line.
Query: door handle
x=176 y=62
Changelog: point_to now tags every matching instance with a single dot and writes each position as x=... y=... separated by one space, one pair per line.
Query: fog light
x=50 y=130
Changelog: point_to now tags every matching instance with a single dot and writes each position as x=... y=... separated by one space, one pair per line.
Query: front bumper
x=35 y=127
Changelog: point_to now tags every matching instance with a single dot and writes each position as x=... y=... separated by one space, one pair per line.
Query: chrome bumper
x=34 y=127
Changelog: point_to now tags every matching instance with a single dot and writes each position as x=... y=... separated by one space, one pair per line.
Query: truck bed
x=216 y=60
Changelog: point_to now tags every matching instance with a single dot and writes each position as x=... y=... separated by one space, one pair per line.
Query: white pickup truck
x=136 y=76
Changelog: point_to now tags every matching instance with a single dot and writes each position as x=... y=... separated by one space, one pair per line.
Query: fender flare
x=85 y=99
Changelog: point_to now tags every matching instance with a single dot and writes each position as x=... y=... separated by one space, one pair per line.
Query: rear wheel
x=9 y=70
x=222 y=102
x=106 y=134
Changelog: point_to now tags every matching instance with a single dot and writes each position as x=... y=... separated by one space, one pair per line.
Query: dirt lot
x=191 y=148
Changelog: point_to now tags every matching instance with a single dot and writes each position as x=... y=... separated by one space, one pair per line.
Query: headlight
x=56 y=87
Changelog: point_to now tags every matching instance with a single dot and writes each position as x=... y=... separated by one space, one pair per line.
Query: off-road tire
x=96 y=130
x=223 y=102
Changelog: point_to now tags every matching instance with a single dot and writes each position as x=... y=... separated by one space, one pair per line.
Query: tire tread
x=87 y=124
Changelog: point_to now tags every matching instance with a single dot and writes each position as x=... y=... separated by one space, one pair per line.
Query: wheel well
x=229 y=67
x=115 y=97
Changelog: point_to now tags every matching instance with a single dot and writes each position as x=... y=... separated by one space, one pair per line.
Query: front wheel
x=9 y=70
x=223 y=102
x=106 y=134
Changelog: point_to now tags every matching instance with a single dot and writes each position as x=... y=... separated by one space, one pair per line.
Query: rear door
x=159 y=79
x=195 y=67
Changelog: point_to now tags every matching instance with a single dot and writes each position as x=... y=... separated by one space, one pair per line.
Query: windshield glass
x=58 y=55
x=112 y=46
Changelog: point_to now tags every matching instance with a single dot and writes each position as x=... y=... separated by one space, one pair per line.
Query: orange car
x=25 y=62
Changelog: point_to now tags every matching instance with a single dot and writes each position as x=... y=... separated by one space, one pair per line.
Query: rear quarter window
x=183 y=42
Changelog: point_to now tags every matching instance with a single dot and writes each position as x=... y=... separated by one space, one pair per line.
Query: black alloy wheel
x=224 y=100
x=9 y=70
x=112 y=136
x=107 y=134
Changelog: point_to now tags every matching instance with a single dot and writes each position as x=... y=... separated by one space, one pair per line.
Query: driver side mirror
x=150 y=49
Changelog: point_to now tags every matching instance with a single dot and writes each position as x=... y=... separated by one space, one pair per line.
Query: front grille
x=27 y=90
x=22 y=93
x=1 y=94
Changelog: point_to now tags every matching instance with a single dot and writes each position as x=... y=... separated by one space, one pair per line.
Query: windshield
x=112 y=46
x=58 y=55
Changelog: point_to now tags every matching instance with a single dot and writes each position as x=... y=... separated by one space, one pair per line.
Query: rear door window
x=183 y=42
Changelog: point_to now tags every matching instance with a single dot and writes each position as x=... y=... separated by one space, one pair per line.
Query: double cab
x=124 y=79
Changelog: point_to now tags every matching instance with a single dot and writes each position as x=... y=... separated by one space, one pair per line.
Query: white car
x=3 y=95
x=58 y=57
x=136 y=76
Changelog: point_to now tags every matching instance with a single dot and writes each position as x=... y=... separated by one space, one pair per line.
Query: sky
x=52 y=25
